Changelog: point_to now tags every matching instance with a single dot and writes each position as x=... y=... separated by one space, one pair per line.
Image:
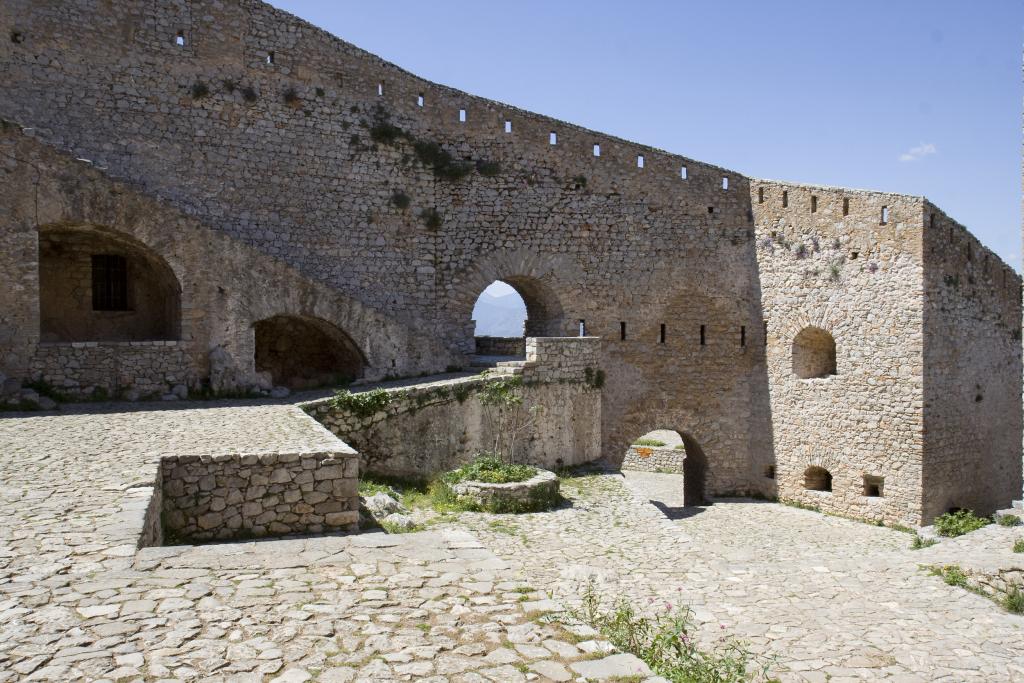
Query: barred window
x=109 y=283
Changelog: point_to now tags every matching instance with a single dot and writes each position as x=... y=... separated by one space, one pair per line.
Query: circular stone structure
x=539 y=492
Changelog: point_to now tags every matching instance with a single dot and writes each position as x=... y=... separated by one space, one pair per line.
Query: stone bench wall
x=654 y=459
x=239 y=496
x=121 y=369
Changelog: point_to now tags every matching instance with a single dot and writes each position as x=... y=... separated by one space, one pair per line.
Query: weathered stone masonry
x=276 y=171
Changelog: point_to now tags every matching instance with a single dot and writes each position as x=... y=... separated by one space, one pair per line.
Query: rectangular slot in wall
x=419 y=100
x=583 y=328
x=380 y=90
x=597 y=150
x=270 y=58
x=873 y=486
x=462 y=116
x=785 y=198
x=743 y=335
x=639 y=160
x=552 y=138
x=846 y=206
x=622 y=331
x=814 y=203
x=703 y=336
x=760 y=195
x=661 y=335
x=508 y=126
x=179 y=39
x=725 y=182
x=682 y=173
x=884 y=219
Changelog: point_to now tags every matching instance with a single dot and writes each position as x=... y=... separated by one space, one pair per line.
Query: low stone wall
x=427 y=429
x=238 y=496
x=121 y=369
x=654 y=459
x=500 y=346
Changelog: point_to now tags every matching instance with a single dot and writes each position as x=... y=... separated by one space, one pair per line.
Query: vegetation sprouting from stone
x=386 y=133
x=952 y=524
x=229 y=85
x=400 y=200
x=444 y=166
x=199 y=90
x=667 y=642
x=291 y=97
x=593 y=378
x=488 y=169
x=1018 y=545
x=431 y=218
x=362 y=404
x=656 y=443
x=579 y=181
x=952 y=574
x=920 y=542
x=249 y=94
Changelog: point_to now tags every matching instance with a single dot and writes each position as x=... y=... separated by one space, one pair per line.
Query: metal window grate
x=109 y=283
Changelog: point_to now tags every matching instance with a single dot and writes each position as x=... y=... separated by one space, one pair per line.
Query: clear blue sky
x=919 y=97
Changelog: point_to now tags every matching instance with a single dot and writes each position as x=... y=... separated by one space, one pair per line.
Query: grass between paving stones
x=1008 y=520
x=921 y=542
x=667 y=642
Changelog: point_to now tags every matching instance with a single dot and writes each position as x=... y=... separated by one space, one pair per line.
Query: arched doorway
x=304 y=353
x=670 y=452
x=695 y=468
x=96 y=285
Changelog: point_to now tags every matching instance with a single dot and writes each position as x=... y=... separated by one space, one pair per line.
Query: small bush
x=441 y=162
x=488 y=169
x=648 y=442
x=249 y=94
x=386 y=133
x=199 y=90
x=593 y=378
x=319 y=92
x=431 y=219
x=364 y=404
x=491 y=470
x=952 y=575
x=958 y=523
x=1013 y=601
x=229 y=85
x=400 y=200
x=921 y=542
x=291 y=97
x=580 y=181
x=1008 y=520
x=1018 y=545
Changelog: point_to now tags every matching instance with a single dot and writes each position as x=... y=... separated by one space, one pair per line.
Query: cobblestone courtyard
x=827 y=598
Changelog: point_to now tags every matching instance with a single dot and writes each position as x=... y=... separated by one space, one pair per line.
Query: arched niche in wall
x=303 y=352
x=814 y=353
x=100 y=285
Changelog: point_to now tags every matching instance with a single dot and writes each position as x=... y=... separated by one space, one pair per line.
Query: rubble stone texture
x=257 y=168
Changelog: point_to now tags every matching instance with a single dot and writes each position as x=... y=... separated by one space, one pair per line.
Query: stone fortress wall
x=279 y=171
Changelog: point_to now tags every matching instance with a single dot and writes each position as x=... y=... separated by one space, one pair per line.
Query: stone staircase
x=499 y=365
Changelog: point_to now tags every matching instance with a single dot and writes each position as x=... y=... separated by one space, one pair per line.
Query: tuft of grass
x=370 y=487
x=1018 y=545
x=921 y=542
x=1013 y=601
x=291 y=97
x=249 y=94
x=431 y=219
x=952 y=574
x=1008 y=520
x=648 y=442
x=400 y=200
x=199 y=90
x=953 y=524
x=668 y=644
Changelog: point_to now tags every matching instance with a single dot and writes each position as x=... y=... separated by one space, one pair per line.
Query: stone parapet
x=142 y=368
